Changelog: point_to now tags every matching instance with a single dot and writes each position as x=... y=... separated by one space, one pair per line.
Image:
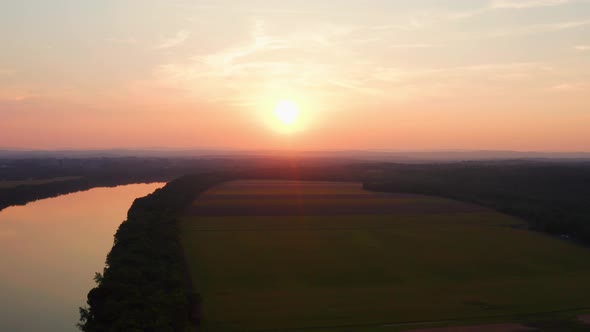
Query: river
x=50 y=250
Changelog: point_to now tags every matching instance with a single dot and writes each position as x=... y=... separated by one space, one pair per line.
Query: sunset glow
x=301 y=149
x=287 y=113
x=385 y=75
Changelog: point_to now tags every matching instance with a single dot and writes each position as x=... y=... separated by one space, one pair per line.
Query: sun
x=287 y=113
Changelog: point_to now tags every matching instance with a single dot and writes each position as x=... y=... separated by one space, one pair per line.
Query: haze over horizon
x=347 y=75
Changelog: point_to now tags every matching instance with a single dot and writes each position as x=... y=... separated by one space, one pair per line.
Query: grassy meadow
x=276 y=255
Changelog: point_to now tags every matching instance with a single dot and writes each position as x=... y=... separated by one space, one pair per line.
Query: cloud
x=416 y=45
x=355 y=85
x=226 y=61
x=582 y=48
x=568 y=87
x=245 y=7
x=236 y=69
x=325 y=60
x=14 y=94
x=497 y=5
x=313 y=61
x=449 y=82
x=180 y=37
x=510 y=68
x=524 y=4
x=535 y=29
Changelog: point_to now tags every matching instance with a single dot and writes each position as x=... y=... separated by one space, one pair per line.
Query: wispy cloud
x=416 y=45
x=497 y=5
x=325 y=59
x=231 y=70
x=355 y=85
x=225 y=60
x=582 y=48
x=114 y=40
x=568 y=87
x=523 y=4
x=316 y=60
x=13 y=94
x=245 y=7
x=494 y=68
x=539 y=28
x=180 y=37
x=511 y=71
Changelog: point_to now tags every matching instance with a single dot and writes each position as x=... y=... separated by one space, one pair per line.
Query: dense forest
x=144 y=286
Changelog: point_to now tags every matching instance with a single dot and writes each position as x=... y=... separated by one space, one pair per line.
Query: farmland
x=275 y=255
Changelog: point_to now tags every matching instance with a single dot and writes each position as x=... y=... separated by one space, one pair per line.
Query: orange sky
x=426 y=75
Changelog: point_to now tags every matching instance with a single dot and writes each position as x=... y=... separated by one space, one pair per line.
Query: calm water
x=50 y=250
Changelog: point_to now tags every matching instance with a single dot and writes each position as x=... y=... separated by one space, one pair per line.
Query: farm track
x=450 y=321
x=267 y=229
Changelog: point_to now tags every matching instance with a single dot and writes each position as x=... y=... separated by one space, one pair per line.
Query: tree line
x=144 y=285
x=551 y=197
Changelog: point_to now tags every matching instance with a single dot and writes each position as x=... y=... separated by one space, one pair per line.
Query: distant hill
x=392 y=156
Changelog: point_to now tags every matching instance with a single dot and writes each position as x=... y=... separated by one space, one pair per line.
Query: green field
x=412 y=259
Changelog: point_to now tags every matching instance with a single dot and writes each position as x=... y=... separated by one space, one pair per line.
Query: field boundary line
x=426 y=322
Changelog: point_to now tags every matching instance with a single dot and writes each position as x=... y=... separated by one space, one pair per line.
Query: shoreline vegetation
x=25 y=181
x=24 y=193
x=144 y=284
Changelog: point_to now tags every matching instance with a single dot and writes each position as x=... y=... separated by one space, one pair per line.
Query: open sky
x=365 y=74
